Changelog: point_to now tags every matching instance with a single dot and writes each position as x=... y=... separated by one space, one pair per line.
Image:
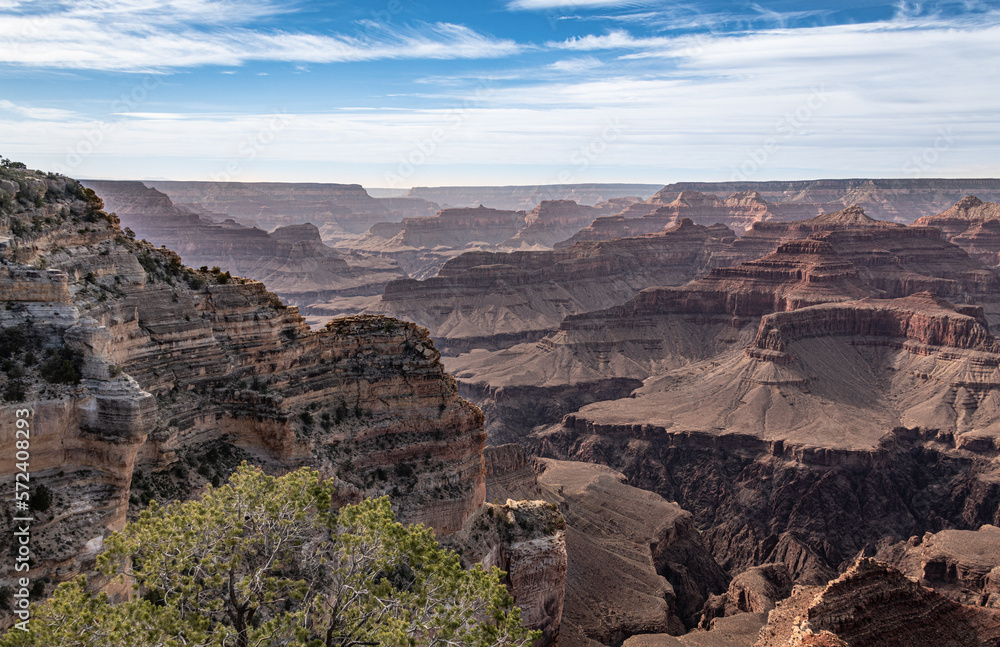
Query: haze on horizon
x=399 y=93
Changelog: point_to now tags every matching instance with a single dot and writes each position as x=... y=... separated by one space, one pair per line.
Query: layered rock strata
x=347 y=207
x=738 y=212
x=873 y=604
x=635 y=562
x=292 y=260
x=491 y=300
x=422 y=245
x=147 y=379
x=971 y=224
x=552 y=221
x=829 y=403
x=961 y=564
x=899 y=200
x=525 y=198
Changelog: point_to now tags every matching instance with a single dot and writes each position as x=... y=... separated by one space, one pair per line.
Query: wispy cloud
x=138 y=36
x=36 y=113
x=535 y=5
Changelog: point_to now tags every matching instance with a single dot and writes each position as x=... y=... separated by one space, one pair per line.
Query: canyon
x=766 y=417
x=292 y=260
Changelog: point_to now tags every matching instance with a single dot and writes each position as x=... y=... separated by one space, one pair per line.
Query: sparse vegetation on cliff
x=264 y=561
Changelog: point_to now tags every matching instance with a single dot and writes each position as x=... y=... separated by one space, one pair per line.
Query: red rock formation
x=552 y=221
x=900 y=200
x=971 y=224
x=635 y=562
x=276 y=204
x=184 y=373
x=490 y=300
x=961 y=564
x=292 y=260
x=739 y=211
x=875 y=605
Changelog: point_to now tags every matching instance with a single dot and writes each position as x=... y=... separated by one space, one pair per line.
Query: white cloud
x=140 y=36
x=576 y=65
x=847 y=101
x=571 y=4
x=35 y=113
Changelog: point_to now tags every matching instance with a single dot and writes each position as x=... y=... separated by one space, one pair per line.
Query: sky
x=401 y=93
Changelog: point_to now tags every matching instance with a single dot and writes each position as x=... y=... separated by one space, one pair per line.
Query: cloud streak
x=134 y=36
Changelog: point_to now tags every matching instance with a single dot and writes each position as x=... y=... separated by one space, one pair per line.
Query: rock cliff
x=292 y=260
x=526 y=198
x=494 y=300
x=738 y=212
x=971 y=224
x=961 y=564
x=873 y=604
x=899 y=200
x=346 y=207
x=422 y=245
x=555 y=220
x=147 y=379
x=635 y=561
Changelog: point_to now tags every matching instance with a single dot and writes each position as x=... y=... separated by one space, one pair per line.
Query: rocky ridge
x=873 y=604
x=635 y=562
x=738 y=212
x=898 y=200
x=292 y=260
x=493 y=300
x=147 y=379
x=971 y=224
x=340 y=210
x=527 y=197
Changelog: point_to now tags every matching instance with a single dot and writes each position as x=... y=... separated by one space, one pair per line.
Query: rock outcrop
x=422 y=245
x=738 y=212
x=875 y=605
x=526 y=540
x=971 y=224
x=899 y=200
x=346 y=208
x=635 y=562
x=147 y=379
x=526 y=198
x=961 y=564
x=292 y=260
x=493 y=300
x=552 y=221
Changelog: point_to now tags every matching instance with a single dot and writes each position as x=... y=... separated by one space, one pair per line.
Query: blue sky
x=399 y=93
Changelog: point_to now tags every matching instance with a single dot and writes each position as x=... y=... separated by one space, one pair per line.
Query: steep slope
x=971 y=224
x=292 y=260
x=555 y=220
x=146 y=379
x=346 y=207
x=875 y=605
x=961 y=564
x=738 y=212
x=422 y=245
x=607 y=353
x=494 y=300
x=839 y=425
x=635 y=562
x=899 y=200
